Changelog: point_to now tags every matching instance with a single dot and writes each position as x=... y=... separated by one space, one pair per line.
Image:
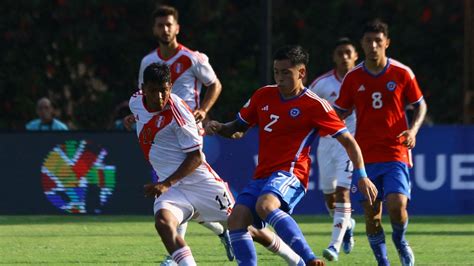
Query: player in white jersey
x=335 y=168
x=189 y=72
x=169 y=137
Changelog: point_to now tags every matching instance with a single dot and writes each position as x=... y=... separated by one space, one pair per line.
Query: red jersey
x=379 y=101
x=287 y=127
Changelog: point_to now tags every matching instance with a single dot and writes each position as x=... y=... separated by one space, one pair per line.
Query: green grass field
x=119 y=240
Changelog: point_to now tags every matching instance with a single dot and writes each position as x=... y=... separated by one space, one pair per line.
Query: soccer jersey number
x=377 y=100
x=274 y=119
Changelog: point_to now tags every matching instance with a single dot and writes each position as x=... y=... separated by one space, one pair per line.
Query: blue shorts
x=284 y=185
x=388 y=177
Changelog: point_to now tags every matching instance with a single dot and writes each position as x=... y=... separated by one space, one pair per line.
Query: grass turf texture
x=64 y=240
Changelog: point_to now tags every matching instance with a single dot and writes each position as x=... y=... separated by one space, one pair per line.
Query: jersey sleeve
x=327 y=121
x=186 y=128
x=140 y=73
x=345 y=101
x=248 y=112
x=203 y=69
x=412 y=91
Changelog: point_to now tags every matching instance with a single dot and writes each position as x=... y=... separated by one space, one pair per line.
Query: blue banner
x=442 y=176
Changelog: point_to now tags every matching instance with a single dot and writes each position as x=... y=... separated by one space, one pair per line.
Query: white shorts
x=335 y=168
x=209 y=200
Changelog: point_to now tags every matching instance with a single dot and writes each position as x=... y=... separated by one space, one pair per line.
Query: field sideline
x=119 y=240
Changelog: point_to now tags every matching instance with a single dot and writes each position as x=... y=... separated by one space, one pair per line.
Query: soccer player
x=379 y=89
x=288 y=117
x=190 y=70
x=170 y=139
x=335 y=168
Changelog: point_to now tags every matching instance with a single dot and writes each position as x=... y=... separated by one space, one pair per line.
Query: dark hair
x=164 y=10
x=157 y=73
x=344 y=41
x=377 y=26
x=295 y=53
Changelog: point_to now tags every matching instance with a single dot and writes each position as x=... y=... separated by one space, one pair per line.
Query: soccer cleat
x=225 y=240
x=407 y=258
x=168 y=261
x=348 y=240
x=330 y=254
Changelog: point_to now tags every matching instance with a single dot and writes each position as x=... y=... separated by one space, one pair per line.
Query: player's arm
x=366 y=187
x=210 y=97
x=343 y=114
x=409 y=135
x=234 y=129
x=191 y=162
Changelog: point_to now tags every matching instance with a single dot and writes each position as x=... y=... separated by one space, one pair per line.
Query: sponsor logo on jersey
x=361 y=88
x=391 y=85
x=294 y=112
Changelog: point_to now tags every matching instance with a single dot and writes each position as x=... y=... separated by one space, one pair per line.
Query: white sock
x=341 y=222
x=215 y=227
x=283 y=250
x=183 y=257
x=182 y=229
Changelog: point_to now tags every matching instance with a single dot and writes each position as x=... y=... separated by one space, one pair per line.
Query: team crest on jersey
x=178 y=67
x=294 y=112
x=354 y=189
x=391 y=85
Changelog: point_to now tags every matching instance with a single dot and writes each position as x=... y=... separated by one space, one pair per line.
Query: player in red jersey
x=190 y=70
x=378 y=90
x=289 y=117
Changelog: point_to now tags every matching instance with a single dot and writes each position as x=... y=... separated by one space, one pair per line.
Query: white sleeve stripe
x=176 y=114
x=327 y=107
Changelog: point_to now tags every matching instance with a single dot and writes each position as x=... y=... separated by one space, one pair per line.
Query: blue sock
x=244 y=250
x=288 y=230
x=398 y=235
x=377 y=243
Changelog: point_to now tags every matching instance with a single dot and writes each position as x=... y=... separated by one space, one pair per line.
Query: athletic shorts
x=388 y=177
x=335 y=168
x=209 y=200
x=284 y=185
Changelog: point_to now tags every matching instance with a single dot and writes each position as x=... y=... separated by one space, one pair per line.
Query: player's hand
x=407 y=138
x=368 y=189
x=199 y=115
x=156 y=189
x=128 y=121
x=212 y=127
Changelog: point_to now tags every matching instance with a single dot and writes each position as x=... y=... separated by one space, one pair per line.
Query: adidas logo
x=333 y=94
x=361 y=88
x=265 y=108
x=339 y=225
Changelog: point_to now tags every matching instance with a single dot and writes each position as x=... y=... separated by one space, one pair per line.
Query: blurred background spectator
x=45 y=120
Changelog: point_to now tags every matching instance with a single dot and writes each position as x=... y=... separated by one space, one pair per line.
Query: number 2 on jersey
x=274 y=119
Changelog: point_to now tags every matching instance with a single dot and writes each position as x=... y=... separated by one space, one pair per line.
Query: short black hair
x=344 y=41
x=295 y=53
x=165 y=10
x=377 y=26
x=157 y=73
